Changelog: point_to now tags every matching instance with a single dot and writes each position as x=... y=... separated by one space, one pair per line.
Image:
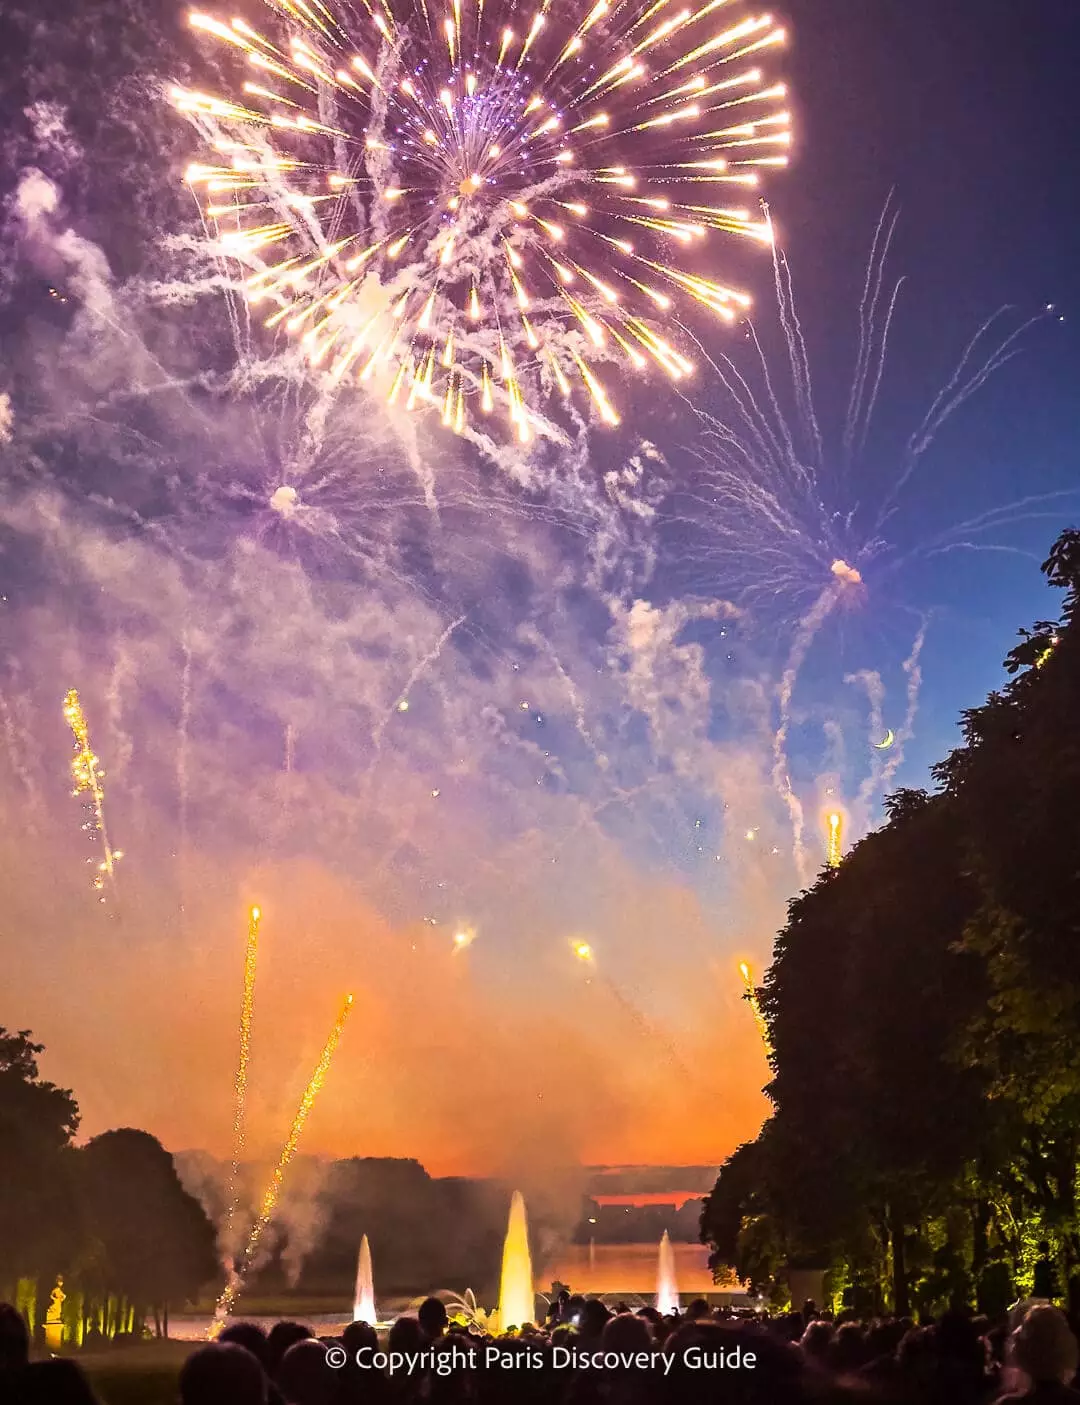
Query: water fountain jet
x=364 y=1298
x=517 y=1298
x=667 y=1289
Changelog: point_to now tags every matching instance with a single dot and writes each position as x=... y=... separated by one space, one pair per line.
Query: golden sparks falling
x=88 y=776
x=273 y=1191
x=834 y=841
x=247 y=1010
x=750 y=996
x=472 y=207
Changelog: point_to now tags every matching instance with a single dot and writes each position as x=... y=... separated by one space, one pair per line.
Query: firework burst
x=781 y=515
x=472 y=206
x=784 y=514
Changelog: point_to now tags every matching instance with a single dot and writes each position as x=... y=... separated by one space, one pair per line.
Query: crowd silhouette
x=728 y=1356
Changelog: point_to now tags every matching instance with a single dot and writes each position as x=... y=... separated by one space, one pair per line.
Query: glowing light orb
x=848 y=574
x=285 y=500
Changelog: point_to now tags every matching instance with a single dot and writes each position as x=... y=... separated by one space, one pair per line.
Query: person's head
x=282 y=1336
x=1044 y=1247
x=304 y=1378
x=222 y=1373
x=1043 y=1346
x=957 y=1337
x=625 y=1334
x=698 y=1308
x=14 y=1339
x=55 y=1382
x=847 y=1350
x=593 y=1317
x=358 y=1335
x=406 y=1335
x=432 y=1318
x=247 y=1334
x=815 y=1341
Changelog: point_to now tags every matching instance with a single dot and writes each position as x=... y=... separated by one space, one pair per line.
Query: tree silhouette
x=924 y=1010
x=38 y=1213
x=157 y=1245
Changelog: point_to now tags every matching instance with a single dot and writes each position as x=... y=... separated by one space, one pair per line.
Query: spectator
x=432 y=1318
x=282 y=1336
x=1045 y=1351
x=250 y=1335
x=304 y=1378
x=54 y=1382
x=222 y=1373
x=14 y=1339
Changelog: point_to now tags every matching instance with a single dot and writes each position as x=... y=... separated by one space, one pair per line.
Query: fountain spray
x=667 y=1289
x=517 y=1299
x=364 y=1298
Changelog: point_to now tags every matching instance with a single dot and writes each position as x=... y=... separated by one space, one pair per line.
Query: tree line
x=923 y=1008
x=110 y=1217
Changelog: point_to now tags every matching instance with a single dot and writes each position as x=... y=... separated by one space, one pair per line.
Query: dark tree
x=157 y=1245
x=37 y=1211
x=924 y=1011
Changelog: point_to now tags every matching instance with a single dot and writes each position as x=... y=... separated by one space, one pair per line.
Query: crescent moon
x=886 y=741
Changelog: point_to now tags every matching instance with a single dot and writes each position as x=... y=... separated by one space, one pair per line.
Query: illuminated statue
x=54 y=1321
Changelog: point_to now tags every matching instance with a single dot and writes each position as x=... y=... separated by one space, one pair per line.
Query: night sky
x=968 y=111
x=450 y=692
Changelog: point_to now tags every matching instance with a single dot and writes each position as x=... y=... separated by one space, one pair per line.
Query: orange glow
x=600 y=1095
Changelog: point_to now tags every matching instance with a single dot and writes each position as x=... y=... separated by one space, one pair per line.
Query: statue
x=54 y=1321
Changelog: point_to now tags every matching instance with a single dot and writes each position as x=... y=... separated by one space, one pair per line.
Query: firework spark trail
x=644 y=1025
x=576 y=702
x=763 y=502
x=443 y=201
x=751 y=998
x=873 y=336
x=401 y=703
x=834 y=840
x=88 y=776
x=584 y=952
x=800 y=647
x=764 y=499
x=273 y=1191
x=247 y=1010
x=16 y=740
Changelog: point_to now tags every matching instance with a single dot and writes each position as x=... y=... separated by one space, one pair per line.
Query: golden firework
x=471 y=206
x=89 y=779
x=755 y=1006
x=247 y=1009
x=834 y=842
x=288 y=1151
